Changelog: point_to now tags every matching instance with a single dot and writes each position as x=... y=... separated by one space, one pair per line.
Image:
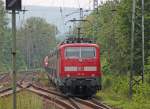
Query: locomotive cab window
x=80 y=52
x=88 y=52
x=72 y=52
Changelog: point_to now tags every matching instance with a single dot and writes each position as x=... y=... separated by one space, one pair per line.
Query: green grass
x=115 y=93
x=25 y=100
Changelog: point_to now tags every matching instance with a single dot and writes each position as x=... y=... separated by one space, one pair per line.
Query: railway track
x=61 y=101
x=53 y=97
x=4 y=76
x=76 y=103
x=5 y=79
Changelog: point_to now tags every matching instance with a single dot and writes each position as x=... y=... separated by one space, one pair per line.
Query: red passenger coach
x=74 y=66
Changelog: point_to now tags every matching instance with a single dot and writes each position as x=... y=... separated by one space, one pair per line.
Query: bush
x=118 y=84
x=116 y=90
x=107 y=82
x=106 y=68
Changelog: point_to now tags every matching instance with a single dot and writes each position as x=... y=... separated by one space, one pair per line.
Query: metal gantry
x=95 y=5
x=133 y=79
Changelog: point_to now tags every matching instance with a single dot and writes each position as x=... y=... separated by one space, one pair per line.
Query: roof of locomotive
x=74 y=41
x=78 y=45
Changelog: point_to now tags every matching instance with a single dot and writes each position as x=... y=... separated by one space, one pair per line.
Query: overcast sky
x=60 y=3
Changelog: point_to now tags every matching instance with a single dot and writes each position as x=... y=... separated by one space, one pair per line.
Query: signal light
x=13 y=4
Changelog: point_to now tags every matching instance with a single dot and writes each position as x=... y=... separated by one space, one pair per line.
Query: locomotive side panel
x=52 y=67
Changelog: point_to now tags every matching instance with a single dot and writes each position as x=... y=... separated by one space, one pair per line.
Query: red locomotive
x=74 y=67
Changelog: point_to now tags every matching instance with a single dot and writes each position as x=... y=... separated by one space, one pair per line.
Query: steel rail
x=73 y=102
x=3 y=76
x=9 y=91
x=94 y=100
x=58 y=101
x=91 y=104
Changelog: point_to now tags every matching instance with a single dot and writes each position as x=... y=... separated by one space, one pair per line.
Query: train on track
x=74 y=67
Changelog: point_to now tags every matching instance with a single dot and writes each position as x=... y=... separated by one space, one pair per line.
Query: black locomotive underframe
x=81 y=87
